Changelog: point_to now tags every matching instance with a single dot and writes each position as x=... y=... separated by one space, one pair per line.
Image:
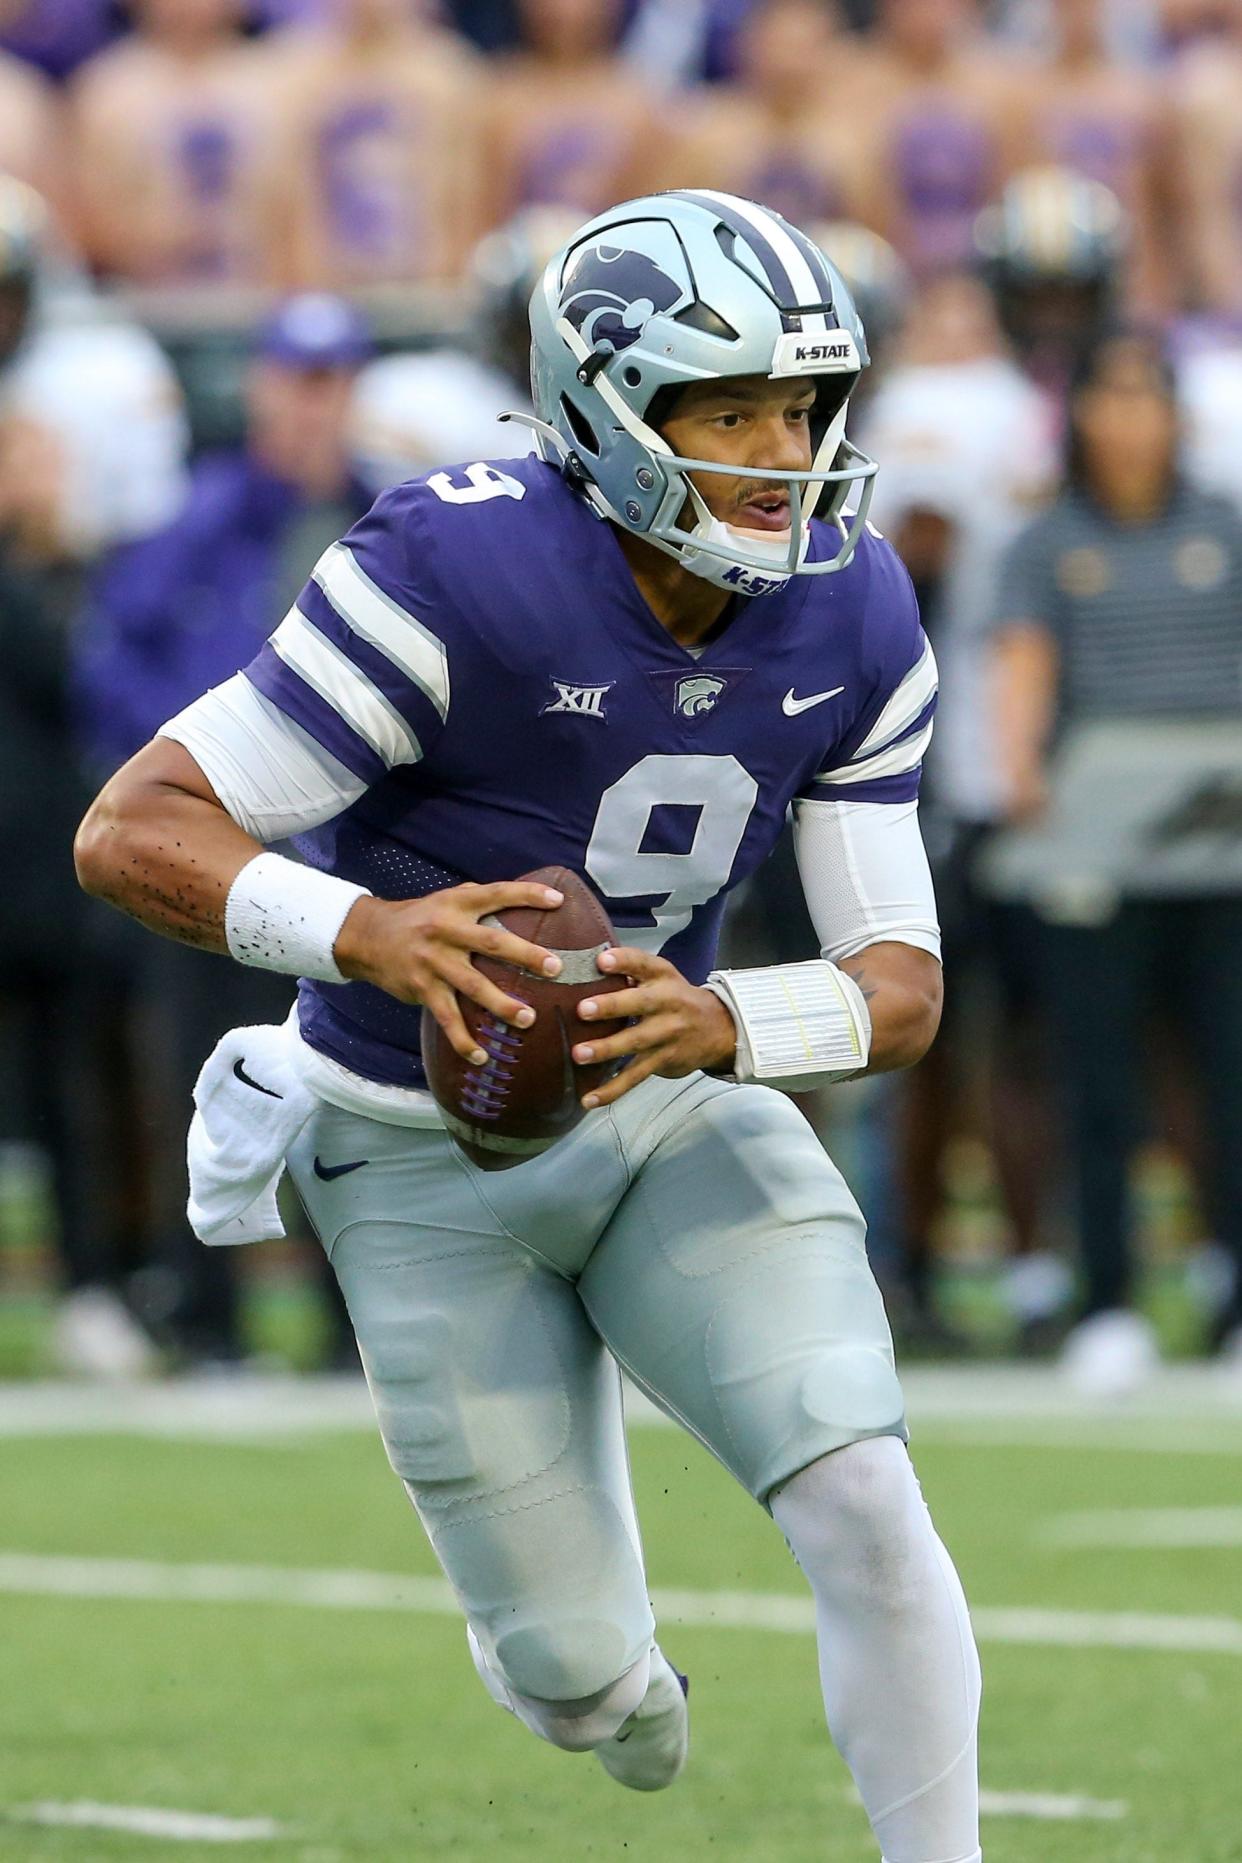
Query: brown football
x=529 y=1092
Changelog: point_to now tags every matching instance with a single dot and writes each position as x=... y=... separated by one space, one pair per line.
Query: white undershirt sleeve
x=267 y=773
x=865 y=876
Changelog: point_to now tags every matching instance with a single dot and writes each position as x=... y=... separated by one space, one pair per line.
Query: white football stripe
x=346 y=689
x=806 y=286
x=1121 y=1527
x=905 y=704
x=907 y=755
x=412 y=648
x=188 y=1827
x=1056 y=1807
x=47 y=1575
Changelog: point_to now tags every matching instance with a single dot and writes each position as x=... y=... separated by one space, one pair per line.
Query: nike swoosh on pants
x=328 y=1171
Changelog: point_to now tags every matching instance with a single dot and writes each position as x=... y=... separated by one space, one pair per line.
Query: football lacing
x=486 y=1088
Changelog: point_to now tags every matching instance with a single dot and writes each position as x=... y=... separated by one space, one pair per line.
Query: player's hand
x=419 y=950
x=677 y=1028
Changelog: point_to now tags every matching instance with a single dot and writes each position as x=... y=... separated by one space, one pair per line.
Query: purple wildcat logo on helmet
x=610 y=293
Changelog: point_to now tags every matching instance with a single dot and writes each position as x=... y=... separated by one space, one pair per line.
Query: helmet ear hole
x=580 y=427
x=633 y=377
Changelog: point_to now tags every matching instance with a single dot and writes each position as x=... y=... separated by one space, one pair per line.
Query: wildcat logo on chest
x=697 y=694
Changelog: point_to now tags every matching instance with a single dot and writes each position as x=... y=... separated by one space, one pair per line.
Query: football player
x=631 y=655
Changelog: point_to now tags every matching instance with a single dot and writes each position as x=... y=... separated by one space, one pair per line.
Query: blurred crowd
x=1039 y=207
x=344 y=143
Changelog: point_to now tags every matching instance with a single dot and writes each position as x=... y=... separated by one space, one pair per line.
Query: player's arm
x=182 y=851
x=870 y=1002
x=793 y=1026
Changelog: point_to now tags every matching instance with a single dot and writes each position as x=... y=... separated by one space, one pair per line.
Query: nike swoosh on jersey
x=241 y=1074
x=791 y=706
x=328 y=1171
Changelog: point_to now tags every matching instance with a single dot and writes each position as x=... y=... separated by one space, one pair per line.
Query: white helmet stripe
x=808 y=288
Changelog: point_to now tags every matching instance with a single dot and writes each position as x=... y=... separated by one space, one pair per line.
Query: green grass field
x=358 y=1727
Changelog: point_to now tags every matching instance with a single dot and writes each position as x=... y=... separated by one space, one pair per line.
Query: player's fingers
x=468 y=981
x=638 y=1070
x=639 y=1038
x=619 y=1005
x=631 y=962
x=507 y=948
x=503 y=895
x=442 y=1003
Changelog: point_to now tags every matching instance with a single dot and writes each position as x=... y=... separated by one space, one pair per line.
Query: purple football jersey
x=477 y=651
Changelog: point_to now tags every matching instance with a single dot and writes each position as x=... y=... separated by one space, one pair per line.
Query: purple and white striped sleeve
x=353 y=664
x=886 y=765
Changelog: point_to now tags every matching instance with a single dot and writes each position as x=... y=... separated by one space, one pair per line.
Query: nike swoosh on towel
x=246 y=1081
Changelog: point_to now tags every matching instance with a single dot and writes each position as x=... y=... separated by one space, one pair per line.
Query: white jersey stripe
x=346 y=689
x=805 y=284
x=905 y=704
x=896 y=761
x=396 y=633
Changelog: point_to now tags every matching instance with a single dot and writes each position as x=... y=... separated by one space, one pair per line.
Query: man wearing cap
x=170 y=616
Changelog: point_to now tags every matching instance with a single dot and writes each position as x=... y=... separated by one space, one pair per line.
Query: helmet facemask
x=757 y=562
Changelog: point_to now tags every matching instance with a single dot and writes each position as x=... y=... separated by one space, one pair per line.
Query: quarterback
x=631 y=655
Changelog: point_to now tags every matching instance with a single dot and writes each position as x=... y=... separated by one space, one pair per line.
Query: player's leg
x=500 y=1411
x=734 y=1284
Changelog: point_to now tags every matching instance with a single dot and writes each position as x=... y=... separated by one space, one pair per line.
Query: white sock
x=897 y=1655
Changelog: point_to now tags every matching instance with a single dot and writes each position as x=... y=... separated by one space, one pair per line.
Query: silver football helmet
x=686 y=287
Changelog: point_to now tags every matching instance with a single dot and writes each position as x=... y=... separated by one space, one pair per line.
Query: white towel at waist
x=256 y=1091
x=250 y=1103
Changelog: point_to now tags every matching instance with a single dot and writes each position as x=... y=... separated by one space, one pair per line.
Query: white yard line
x=1054 y=1806
x=40 y=1575
x=1118 y=1630
x=1050 y=1807
x=209 y=1828
x=1122 y=1528
x=1187 y=1409
x=187 y=1827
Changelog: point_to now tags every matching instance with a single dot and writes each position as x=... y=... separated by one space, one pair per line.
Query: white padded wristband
x=798 y=1025
x=282 y=916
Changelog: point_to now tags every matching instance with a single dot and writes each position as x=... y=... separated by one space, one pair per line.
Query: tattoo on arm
x=855 y=967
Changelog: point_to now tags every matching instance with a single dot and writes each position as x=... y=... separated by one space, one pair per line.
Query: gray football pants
x=697 y=1235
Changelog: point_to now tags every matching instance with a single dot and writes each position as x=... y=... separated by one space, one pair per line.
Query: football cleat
x=649 y=1749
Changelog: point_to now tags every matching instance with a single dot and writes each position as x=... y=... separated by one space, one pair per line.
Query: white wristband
x=282 y=916
x=798 y=1025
